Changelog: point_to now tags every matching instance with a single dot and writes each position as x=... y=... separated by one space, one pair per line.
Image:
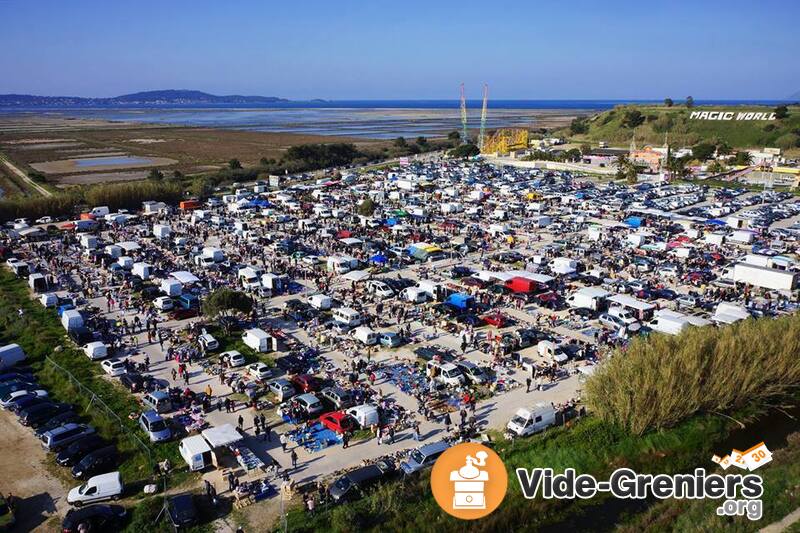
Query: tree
x=223 y=303
x=632 y=118
x=400 y=142
x=703 y=151
x=586 y=148
x=422 y=141
x=724 y=148
x=578 y=126
x=177 y=174
x=155 y=175
x=465 y=150
x=454 y=136
x=668 y=102
x=743 y=159
x=717 y=167
x=689 y=102
x=781 y=112
x=234 y=164
x=37 y=176
x=676 y=167
x=201 y=187
x=366 y=208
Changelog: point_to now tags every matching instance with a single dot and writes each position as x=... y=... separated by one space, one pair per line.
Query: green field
x=673 y=124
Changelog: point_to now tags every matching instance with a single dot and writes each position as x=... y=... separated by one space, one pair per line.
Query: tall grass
x=660 y=380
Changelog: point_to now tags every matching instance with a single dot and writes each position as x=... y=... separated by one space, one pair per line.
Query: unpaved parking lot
x=26 y=476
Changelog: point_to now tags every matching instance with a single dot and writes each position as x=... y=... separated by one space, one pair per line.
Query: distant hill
x=165 y=97
x=674 y=123
x=795 y=96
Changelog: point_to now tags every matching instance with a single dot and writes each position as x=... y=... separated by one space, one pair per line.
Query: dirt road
x=24 y=177
x=24 y=473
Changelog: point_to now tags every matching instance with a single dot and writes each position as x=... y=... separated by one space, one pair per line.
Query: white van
x=551 y=352
x=529 y=421
x=415 y=295
x=320 y=302
x=10 y=355
x=258 y=339
x=98 y=488
x=347 y=316
x=196 y=452
x=71 y=319
x=626 y=316
x=365 y=415
x=365 y=335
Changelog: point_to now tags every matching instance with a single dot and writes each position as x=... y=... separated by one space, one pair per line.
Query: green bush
x=662 y=379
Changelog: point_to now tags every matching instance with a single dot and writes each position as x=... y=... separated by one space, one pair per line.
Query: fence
x=96 y=400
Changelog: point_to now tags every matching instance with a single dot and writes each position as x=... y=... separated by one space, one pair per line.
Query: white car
x=208 y=342
x=164 y=303
x=113 y=367
x=380 y=288
x=234 y=358
x=259 y=371
x=44 y=220
x=10 y=397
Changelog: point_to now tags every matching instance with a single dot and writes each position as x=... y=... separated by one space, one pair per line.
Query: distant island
x=165 y=97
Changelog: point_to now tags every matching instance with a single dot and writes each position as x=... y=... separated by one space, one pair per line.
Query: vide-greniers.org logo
x=741 y=492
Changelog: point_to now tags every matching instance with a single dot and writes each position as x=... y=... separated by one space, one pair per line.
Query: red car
x=338 y=421
x=306 y=383
x=497 y=320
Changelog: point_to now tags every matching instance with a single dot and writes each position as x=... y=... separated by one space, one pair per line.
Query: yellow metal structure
x=506 y=140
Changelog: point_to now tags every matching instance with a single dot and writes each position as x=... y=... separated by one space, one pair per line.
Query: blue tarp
x=633 y=222
x=391 y=221
x=378 y=259
x=260 y=203
x=716 y=222
x=460 y=300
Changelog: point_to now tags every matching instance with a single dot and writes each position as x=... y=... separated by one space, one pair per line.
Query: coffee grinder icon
x=469 y=483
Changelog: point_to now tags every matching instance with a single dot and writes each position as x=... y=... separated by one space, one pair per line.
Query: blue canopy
x=716 y=222
x=378 y=258
x=633 y=222
x=460 y=300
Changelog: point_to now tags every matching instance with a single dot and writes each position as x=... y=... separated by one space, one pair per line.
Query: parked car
x=282 y=389
x=352 y=485
x=78 y=449
x=113 y=367
x=56 y=422
x=234 y=358
x=97 y=517
x=21 y=396
x=306 y=383
x=336 y=397
x=423 y=457
x=37 y=415
x=259 y=371
x=155 y=426
x=96 y=462
x=182 y=511
x=338 y=421
x=60 y=437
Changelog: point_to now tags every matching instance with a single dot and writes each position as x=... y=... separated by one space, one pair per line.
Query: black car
x=81 y=335
x=26 y=400
x=56 y=421
x=16 y=376
x=459 y=272
x=583 y=312
x=40 y=414
x=291 y=364
x=96 y=517
x=182 y=511
x=96 y=462
x=79 y=449
x=17 y=384
x=352 y=484
x=136 y=382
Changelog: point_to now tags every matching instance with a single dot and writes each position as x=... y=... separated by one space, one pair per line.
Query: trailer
x=762 y=276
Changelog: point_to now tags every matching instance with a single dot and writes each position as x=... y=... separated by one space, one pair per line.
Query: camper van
x=98 y=488
x=529 y=421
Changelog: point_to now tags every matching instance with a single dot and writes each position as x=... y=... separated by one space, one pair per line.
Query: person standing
x=293 y=456
x=240 y=422
x=528 y=384
x=345 y=440
x=283 y=441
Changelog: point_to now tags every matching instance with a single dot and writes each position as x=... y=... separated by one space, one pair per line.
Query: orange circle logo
x=469 y=481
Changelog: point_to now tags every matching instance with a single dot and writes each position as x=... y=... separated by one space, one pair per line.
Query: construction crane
x=464 y=134
x=482 y=134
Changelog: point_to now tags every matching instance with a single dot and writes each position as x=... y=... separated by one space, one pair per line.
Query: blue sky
x=403 y=49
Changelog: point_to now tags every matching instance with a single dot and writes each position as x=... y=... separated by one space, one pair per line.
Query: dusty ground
x=24 y=473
